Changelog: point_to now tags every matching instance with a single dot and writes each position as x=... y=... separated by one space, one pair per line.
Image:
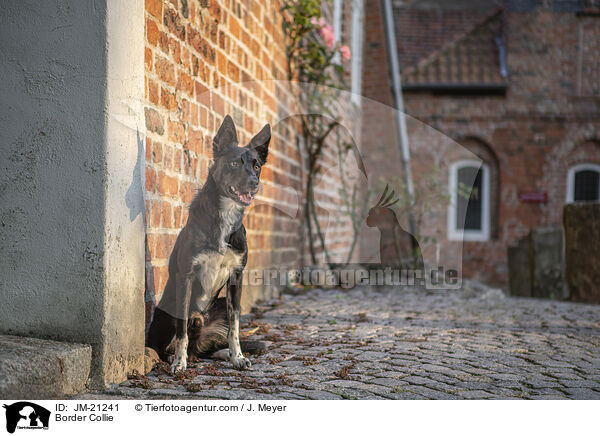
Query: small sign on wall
x=533 y=197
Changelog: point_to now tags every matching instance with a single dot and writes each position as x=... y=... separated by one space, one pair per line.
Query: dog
x=211 y=252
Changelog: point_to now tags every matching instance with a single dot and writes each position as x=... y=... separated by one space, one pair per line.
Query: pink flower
x=345 y=52
x=328 y=35
x=322 y=22
x=313 y=21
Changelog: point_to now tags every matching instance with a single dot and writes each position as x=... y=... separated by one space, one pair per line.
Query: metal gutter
x=400 y=118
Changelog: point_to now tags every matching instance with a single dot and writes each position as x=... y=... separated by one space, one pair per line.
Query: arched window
x=469 y=210
x=583 y=183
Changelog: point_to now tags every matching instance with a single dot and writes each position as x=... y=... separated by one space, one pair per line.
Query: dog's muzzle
x=242 y=197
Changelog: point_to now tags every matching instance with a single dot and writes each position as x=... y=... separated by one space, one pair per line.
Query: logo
x=26 y=415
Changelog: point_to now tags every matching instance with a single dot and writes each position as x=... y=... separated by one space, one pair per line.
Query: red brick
x=176 y=131
x=175 y=50
x=184 y=111
x=215 y=10
x=184 y=216
x=222 y=40
x=203 y=116
x=155 y=212
x=148 y=59
x=186 y=59
x=164 y=245
x=195 y=141
x=177 y=217
x=234 y=27
x=248 y=124
x=154 y=7
x=194 y=38
x=163 y=42
x=187 y=191
x=165 y=70
x=194 y=114
x=148 y=149
x=233 y=71
x=168 y=100
x=153 y=92
x=151 y=32
x=150 y=180
x=214 y=26
x=157 y=152
x=167 y=215
x=192 y=165
x=185 y=83
x=202 y=94
x=218 y=104
x=174 y=23
x=246 y=38
x=167 y=161
x=195 y=66
x=154 y=121
x=167 y=185
x=222 y=63
x=177 y=164
x=201 y=45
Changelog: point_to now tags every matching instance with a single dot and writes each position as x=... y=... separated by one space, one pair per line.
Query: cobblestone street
x=393 y=343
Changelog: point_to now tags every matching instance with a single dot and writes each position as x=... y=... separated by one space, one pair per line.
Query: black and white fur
x=211 y=252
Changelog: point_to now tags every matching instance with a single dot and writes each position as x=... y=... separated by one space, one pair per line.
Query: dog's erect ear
x=225 y=138
x=261 y=143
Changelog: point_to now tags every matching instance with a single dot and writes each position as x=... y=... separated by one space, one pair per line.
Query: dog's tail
x=208 y=333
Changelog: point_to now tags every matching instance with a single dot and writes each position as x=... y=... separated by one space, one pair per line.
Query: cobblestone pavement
x=393 y=343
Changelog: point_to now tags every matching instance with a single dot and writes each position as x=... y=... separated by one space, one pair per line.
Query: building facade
x=515 y=87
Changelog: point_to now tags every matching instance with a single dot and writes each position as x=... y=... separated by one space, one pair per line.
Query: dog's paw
x=240 y=362
x=178 y=365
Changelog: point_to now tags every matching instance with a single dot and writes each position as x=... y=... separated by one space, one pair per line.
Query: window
x=583 y=183
x=469 y=211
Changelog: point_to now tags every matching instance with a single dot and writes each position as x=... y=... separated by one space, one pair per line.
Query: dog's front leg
x=182 y=301
x=234 y=294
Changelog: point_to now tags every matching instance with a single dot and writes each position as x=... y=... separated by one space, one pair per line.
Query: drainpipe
x=390 y=37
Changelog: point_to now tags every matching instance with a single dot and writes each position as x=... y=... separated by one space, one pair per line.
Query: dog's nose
x=253 y=184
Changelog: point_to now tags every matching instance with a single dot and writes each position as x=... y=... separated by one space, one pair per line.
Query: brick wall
x=547 y=122
x=206 y=59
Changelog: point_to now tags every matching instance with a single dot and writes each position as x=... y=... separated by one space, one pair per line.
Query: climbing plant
x=313 y=58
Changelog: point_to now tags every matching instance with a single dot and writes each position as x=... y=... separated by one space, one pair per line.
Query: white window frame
x=356 y=51
x=571 y=178
x=469 y=235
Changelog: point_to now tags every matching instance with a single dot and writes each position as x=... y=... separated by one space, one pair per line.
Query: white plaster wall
x=124 y=323
x=71 y=199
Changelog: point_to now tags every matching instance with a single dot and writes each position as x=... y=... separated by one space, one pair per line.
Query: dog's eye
x=234 y=164
x=256 y=167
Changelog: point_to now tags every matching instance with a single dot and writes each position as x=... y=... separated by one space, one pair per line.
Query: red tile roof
x=450 y=48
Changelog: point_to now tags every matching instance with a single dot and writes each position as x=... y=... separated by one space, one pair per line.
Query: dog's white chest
x=213 y=269
x=229 y=262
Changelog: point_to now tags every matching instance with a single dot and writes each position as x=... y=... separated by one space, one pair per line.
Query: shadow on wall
x=135 y=191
